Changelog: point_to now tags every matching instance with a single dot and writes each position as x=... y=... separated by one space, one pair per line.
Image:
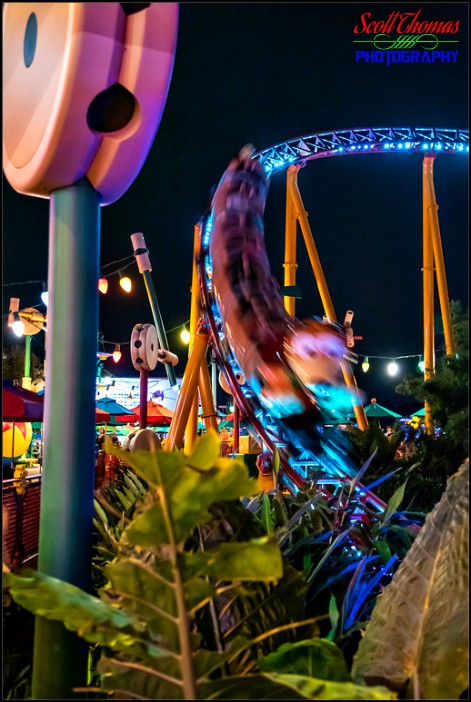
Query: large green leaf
x=94 y=620
x=292 y=687
x=259 y=559
x=418 y=634
x=187 y=500
x=316 y=658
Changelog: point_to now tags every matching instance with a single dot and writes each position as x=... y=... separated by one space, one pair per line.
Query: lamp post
x=25 y=323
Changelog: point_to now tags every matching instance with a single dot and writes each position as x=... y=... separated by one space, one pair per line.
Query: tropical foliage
x=146 y=617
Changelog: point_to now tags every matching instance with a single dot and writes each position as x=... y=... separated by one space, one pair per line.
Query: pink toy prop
x=85 y=85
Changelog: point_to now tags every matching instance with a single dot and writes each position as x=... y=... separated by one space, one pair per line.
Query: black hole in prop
x=138 y=344
x=139 y=360
x=111 y=110
x=30 y=40
x=130 y=8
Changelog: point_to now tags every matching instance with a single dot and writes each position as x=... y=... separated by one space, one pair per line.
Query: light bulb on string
x=185 y=335
x=365 y=365
x=45 y=295
x=393 y=368
x=103 y=285
x=18 y=325
x=125 y=282
x=421 y=365
x=116 y=353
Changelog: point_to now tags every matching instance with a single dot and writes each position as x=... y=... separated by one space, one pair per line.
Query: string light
x=45 y=295
x=421 y=365
x=116 y=353
x=125 y=282
x=18 y=326
x=185 y=335
x=392 y=367
x=103 y=285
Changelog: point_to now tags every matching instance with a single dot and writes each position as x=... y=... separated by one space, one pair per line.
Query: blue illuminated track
x=331 y=468
x=369 y=140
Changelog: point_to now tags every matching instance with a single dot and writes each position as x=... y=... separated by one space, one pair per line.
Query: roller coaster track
x=370 y=140
x=387 y=140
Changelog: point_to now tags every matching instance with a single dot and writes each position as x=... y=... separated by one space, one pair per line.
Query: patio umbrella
x=157 y=415
x=228 y=423
x=419 y=413
x=101 y=417
x=376 y=411
x=118 y=413
x=20 y=405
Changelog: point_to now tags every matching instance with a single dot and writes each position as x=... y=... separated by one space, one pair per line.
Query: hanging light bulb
x=393 y=368
x=365 y=365
x=125 y=282
x=18 y=325
x=45 y=295
x=116 y=353
x=103 y=285
x=185 y=335
x=421 y=365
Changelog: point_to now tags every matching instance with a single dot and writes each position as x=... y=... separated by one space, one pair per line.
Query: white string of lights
x=392 y=367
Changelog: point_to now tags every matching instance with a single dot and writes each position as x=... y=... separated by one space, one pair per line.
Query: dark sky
x=264 y=73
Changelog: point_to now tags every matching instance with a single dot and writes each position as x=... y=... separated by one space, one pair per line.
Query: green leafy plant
x=417 y=640
x=115 y=503
x=145 y=619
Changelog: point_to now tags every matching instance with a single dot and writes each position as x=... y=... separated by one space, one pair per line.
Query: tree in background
x=447 y=395
x=14 y=364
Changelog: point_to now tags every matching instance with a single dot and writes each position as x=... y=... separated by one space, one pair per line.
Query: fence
x=21 y=520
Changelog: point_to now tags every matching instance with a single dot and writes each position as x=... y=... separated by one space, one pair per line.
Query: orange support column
x=438 y=254
x=428 y=287
x=290 y=264
x=195 y=313
x=187 y=394
x=301 y=215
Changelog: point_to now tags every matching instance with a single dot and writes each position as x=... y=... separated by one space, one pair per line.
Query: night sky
x=263 y=73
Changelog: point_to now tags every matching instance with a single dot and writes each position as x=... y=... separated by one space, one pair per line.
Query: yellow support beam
x=188 y=393
x=432 y=209
x=324 y=293
x=195 y=314
x=428 y=287
x=290 y=264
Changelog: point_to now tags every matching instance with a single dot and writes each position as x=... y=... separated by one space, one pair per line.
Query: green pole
x=27 y=370
x=65 y=534
x=159 y=325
